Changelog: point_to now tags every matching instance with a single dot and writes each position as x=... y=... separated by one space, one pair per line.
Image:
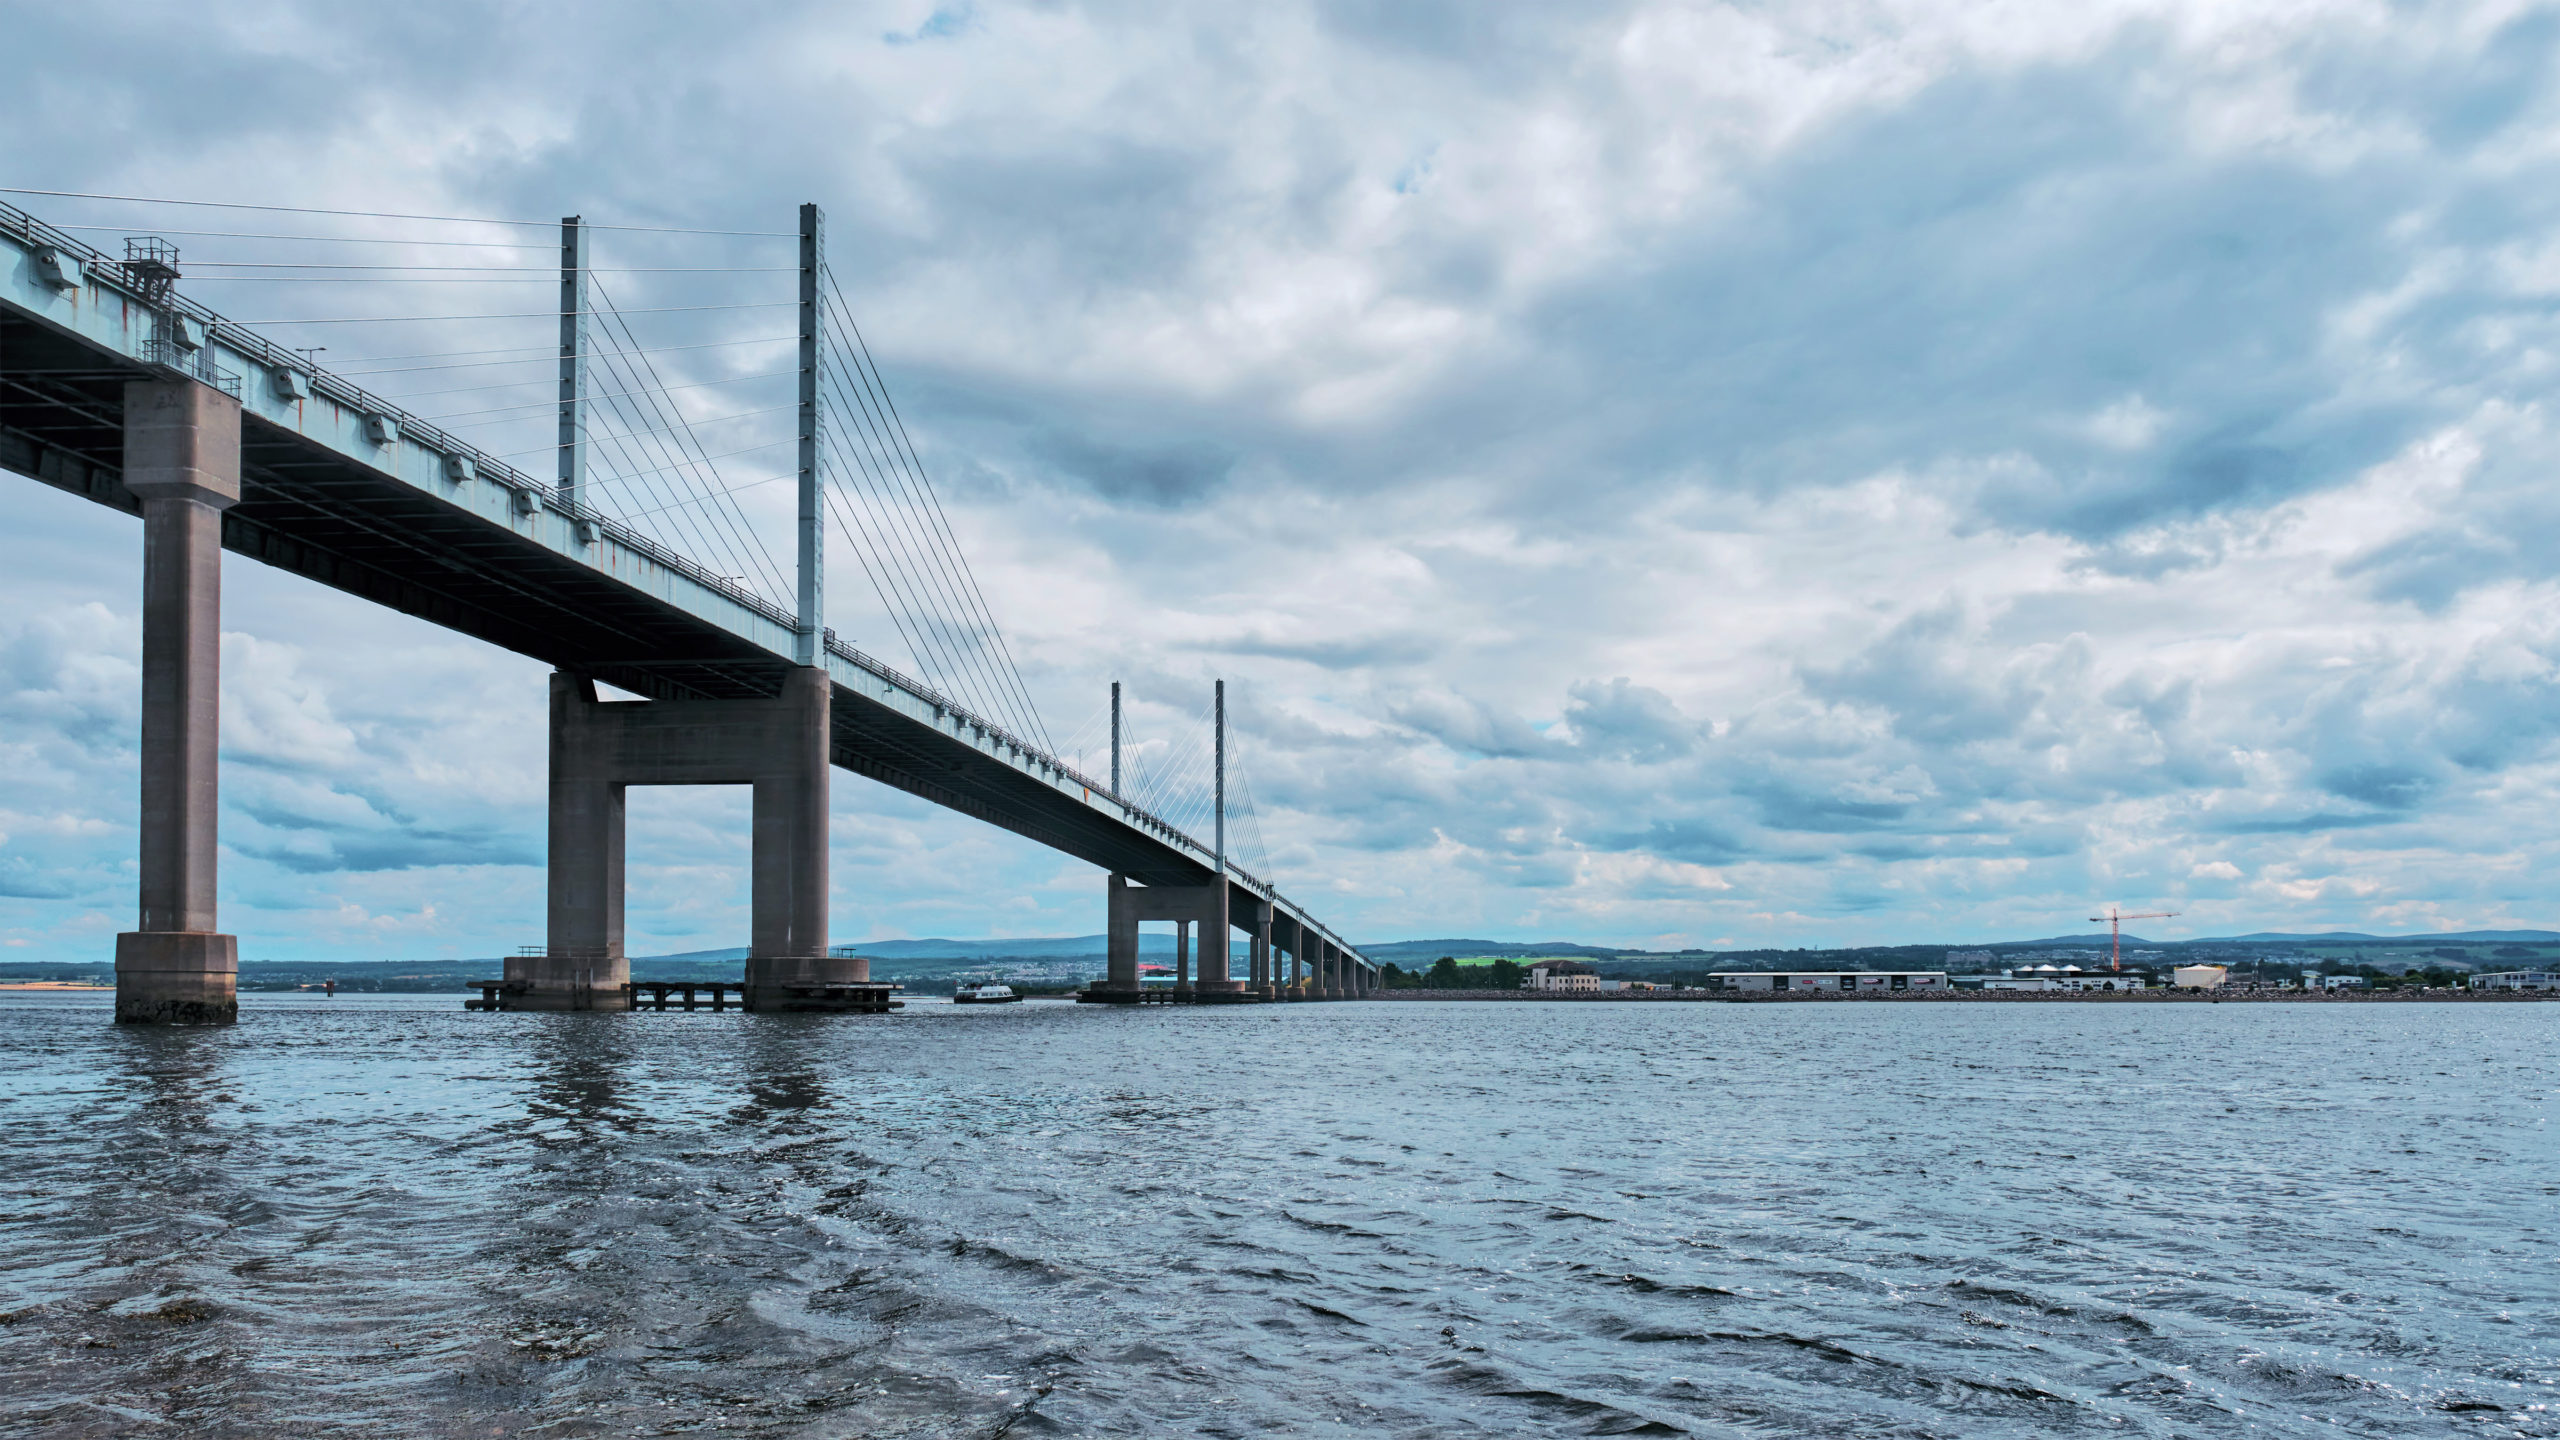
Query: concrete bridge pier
x=1186 y=905
x=182 y=459
x=1292 y=937
x=1262 y=983
x=1120 y=940
x=599 y=749
x=1332 y=964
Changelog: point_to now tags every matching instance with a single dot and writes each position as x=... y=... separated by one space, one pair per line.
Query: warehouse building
x=1856 y=982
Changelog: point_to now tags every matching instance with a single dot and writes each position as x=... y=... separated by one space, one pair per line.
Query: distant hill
x=2450 y=937
x=1405 y=952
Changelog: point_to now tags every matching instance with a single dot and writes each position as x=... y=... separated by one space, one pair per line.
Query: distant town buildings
x=2066 y=977
x=2517 y=980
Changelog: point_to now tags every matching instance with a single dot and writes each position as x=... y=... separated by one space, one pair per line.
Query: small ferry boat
x=984 y=995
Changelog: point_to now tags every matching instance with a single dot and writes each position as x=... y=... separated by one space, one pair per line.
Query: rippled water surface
x=392 y=1218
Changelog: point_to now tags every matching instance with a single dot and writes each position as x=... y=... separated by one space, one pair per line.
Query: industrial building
x=1857 y=982
x=2516 y=980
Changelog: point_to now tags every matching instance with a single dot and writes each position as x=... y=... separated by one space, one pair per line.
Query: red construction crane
x=2115 y=928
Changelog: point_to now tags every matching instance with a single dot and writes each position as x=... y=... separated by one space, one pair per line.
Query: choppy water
x=390 y=1218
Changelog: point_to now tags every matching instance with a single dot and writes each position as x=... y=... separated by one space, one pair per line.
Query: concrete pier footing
x=182 y=460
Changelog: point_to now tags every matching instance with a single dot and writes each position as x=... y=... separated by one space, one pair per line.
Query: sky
x=1661 y=475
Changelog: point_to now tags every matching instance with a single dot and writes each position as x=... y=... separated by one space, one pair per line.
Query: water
x=386 y=1217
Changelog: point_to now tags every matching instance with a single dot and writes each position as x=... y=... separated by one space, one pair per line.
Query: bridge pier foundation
x=599 y=749
x=182 y=459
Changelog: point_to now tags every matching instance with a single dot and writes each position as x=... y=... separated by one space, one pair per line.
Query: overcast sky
x=1655 y=474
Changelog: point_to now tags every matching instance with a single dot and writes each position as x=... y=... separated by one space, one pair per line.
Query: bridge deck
x=427 y=525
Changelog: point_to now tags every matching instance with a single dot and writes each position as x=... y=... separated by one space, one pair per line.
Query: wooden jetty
x=861 y=997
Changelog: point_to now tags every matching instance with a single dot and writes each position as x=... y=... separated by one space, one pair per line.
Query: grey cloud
x=1625 y=721
x=1470 y=725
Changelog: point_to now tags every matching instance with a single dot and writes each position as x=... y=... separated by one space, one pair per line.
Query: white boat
x=984 y=995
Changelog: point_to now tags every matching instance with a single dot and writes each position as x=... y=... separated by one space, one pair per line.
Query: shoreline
x=1992 y=997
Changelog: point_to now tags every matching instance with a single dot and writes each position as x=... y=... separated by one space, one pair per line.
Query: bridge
x=116 y=386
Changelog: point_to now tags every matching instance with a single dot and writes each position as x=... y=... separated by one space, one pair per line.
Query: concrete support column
x=1120 y=936
x=1262 y=981
x=182 y=459
x=1216 y=930
x=582 y=966
x=1182 y=957
x=1120 y=942
x=787 y=940
x=1332 y=970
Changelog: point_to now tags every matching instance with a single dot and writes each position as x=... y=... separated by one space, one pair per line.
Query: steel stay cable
x=606 y=445
x=918 y=579
x=918 y=593
x=879 y=466
x=969 y=656
x=1172 y=777
x=734 y=515
x=723 y=455
x=603 y=450
x=1014 y=702
x=678 y=475
x=683 y=469
x=321 y=239
x=680 y=421
x=941 y=655
x=872 y=574
x=554 y=404
x=891 y=405
x=515 y=315
x=542 y=270
x=902 y=611
x=967 y=578
x=535 y=352
x=388 y=215
x=706 y=542
x=732 y=490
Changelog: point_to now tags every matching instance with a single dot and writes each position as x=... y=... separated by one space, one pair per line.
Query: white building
x=2516 y=980
x=1566 y=975
x=1856 y=982
x=2199 y=977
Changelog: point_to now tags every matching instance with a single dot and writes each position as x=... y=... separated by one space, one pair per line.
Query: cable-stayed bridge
x=594 y=527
